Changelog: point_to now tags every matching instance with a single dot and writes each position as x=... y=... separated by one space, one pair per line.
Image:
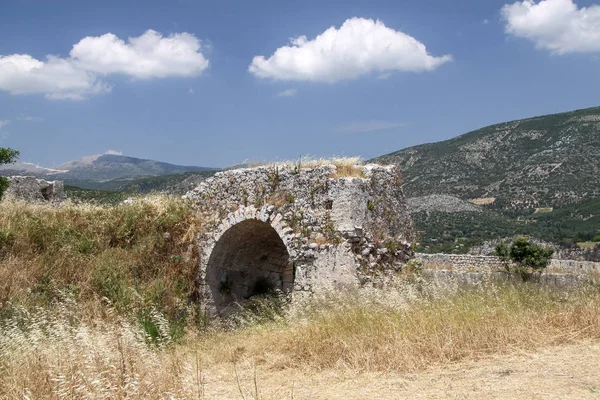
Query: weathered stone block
x=31 y=189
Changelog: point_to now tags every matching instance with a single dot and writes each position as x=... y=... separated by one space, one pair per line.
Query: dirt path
x=565 y=372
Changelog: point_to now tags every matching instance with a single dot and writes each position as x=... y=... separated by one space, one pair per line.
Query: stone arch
x=249 y=258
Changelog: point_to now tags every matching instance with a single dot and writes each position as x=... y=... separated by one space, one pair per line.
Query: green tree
x=527 y=257
x=503 y=251
x=7 y=156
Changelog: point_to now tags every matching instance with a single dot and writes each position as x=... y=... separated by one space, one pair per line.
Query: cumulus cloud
x=78 y=76
x=114 y=153
x=556 y=25
x=56 y=77
x=3 y=123
x=147 y=56
x=287 y=93
x=368 y=126
x=360 y=46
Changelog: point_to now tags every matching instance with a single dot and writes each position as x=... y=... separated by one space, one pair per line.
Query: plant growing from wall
x=7 y=156
x=274 y=179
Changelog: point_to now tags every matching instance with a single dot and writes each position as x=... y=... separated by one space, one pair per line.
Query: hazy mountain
x=23 y=168
x=101 y=168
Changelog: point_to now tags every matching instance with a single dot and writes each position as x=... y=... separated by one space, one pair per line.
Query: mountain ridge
x=100 y=168
x=524 y=164
x=536 y=176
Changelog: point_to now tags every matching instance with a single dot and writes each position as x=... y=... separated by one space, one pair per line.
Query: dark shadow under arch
x=249 y=259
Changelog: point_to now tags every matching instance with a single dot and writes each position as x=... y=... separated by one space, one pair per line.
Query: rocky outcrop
x=31 y=189
x=440 y=203
x=299 y=230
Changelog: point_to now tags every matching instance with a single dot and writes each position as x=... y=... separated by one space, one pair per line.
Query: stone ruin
x=31 y=189
x=299 y=230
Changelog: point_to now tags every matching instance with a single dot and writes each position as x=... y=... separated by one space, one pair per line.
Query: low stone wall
x=489 y=264
x=31 y=189
x=459 y=278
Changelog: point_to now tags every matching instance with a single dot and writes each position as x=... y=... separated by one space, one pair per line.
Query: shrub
x=526 y=256
x=7 y=156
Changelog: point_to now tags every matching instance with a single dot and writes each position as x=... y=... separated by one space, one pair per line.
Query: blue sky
x=485 y=62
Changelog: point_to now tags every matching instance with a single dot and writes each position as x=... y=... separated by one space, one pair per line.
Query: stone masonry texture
x=299 y=230
x=31 y=189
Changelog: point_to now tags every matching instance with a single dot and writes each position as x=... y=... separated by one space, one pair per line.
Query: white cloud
x=287 y=93
x=360 y=46
x=191 y=91
x=3 y=123
x=556 y=25
x=486 y=21
x=114 y=153
x=57 y=78
x=368 y=126
x=148 y=56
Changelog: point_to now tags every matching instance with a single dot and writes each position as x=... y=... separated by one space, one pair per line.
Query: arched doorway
x=249 y=259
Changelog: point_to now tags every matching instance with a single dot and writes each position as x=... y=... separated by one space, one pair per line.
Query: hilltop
x=537 y=176
x=538 y=162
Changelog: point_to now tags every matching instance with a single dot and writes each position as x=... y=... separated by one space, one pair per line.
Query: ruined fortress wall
x=338 y=228
x=31 y=189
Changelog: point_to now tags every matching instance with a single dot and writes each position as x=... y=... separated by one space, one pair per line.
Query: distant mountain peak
x=101 y=167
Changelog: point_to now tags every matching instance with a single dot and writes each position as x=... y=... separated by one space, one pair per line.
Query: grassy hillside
x=541 y=175
x=545 y=161
x=139 y=258
x=441 y=232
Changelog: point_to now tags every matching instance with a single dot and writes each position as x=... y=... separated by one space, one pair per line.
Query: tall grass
x=54 y=354
x=136 y=257
x=97 y=302
x=400 y=331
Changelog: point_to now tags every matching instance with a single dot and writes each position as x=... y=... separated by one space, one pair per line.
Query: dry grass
x=371 y=333
x=94 y=304
x=55 y=355
x=345 y=166
x=135 y=256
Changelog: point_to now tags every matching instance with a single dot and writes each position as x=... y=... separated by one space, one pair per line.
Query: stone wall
x=488 y=264
x=337 y=230
x=31 y=189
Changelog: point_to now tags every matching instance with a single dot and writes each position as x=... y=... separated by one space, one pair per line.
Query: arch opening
x=249 y=259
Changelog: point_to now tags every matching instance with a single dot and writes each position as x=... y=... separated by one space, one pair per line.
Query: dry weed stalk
x=55 y=353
